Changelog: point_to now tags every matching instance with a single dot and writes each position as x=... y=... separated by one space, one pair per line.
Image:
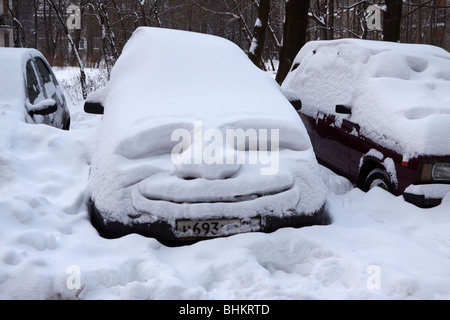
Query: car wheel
x=378 y=178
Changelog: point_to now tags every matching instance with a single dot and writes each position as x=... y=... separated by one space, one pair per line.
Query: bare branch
x=74 y=48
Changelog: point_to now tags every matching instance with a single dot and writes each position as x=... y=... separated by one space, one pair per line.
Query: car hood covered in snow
x=168 y=83
x=398 y=92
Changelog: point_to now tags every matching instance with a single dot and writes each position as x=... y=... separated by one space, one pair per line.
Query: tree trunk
x=294 y=35
x=35 y=35
x=330 y=20
x=74 y=48
x=155 y=10
x=144 y=15
x=18 y=26
x=107 y=32
x=121 y=20
x=259 y=33
x=392 y=20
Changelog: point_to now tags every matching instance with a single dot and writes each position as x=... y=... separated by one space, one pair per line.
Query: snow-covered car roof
x=399 y=93
x=12 y=73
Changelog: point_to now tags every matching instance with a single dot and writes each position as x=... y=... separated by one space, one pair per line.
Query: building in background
x=6 y=28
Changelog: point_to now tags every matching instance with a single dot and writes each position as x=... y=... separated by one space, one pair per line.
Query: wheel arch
x=368 y=165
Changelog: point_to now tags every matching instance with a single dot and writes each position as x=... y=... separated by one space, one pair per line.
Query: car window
x=34 y=89
x=47 y=77
x=43 y=70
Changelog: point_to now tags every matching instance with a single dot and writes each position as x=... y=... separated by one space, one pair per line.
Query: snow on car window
x=34 y=89
x=47 y=78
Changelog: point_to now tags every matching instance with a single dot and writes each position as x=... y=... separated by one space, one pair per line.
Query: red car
x=377 y=113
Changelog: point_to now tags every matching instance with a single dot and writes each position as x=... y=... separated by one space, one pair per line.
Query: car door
x=36 y=94
x=333 y=142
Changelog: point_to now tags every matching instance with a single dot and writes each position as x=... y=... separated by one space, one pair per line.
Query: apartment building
x=6 y=28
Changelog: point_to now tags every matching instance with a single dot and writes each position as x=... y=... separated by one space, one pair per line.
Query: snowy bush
x=69 y=79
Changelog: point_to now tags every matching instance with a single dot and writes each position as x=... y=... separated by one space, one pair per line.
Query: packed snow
x=399 y=93
x=377 y=246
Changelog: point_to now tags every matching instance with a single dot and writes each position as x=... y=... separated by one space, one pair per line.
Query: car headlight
x=439 y=171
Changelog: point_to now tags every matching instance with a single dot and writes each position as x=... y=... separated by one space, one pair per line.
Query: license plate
x=216 y=227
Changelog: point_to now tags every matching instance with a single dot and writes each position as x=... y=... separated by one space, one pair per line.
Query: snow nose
x=207 y=171
x=207 y=164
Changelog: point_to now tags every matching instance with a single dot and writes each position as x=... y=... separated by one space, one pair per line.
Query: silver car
x=28 y=83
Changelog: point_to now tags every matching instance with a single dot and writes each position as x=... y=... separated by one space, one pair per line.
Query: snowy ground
x=377 y=247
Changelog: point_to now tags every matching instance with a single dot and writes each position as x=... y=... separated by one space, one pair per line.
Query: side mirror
x=43 y=108
x=340 y=108
x=94 y=108
x=293 y=98
x=297 y=104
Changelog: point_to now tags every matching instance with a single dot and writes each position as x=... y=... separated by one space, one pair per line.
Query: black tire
x=378 y=178
x=66 y=125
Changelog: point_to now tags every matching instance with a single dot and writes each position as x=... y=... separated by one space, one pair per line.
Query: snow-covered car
x=28 y=84
x=378 y=113
x=196 y=143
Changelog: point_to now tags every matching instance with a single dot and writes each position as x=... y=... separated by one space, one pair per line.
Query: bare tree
x=270 y=27
x=234 y=12
x=318 y=19
x=259 y=33
x=155 y=10
x=73 y=46
x=422 y=21
x=392 y=20
x=121 y=20
x=294 y=38
x=143 y=13
x=108 y=35
x=17 y=23
x=330 y=19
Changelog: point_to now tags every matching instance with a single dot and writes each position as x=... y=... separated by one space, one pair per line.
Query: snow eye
x=153 y=142
x=267 y=139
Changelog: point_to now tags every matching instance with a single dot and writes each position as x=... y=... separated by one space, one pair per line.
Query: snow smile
x=222 y=199
x=178 y=191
